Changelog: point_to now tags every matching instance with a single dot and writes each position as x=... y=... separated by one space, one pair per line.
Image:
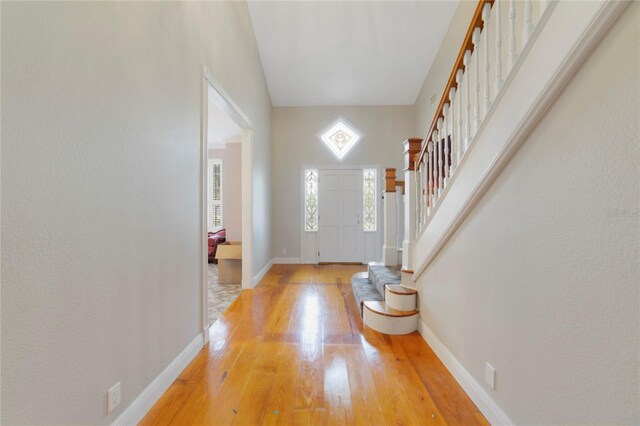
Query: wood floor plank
x=451 y=400
x=309 y=393
x=207 y=404
x=364 y=396
x=279 y=409
x=337 y=391
x=294 y=351
x=252 y=407
x=395 y=407
x=168 y=405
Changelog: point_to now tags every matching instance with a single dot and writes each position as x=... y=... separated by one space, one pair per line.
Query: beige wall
x=295 y=144
x=100 y=182
x=441 y=68
x=231 y=157
x=542 y=278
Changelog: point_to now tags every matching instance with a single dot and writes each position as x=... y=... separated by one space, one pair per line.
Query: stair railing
x=479 y=71
x=475 y=81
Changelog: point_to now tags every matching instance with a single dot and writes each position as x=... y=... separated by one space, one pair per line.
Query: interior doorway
x=226 y=201
x=340 y=216
x=224 y=210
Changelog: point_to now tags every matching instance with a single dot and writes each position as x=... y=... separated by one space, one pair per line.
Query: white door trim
x=379 y=189
x=226 y=103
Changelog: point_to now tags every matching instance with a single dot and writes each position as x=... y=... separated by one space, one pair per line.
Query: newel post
x=389 y=248
x=411 y=151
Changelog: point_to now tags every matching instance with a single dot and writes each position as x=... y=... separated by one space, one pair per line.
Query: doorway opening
x=226 y=201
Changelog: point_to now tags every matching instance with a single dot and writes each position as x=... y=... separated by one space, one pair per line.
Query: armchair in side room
x=215 y=238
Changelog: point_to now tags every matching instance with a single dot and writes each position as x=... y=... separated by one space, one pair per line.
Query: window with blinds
x=215 y=195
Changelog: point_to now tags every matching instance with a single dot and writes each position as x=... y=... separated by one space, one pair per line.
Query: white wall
x=542 y=278
x=100 y=179
x=231 y=157
x=295 y=144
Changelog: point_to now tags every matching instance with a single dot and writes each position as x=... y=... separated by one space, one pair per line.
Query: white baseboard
x=476 y=392
x=256 y=279
x=143 y=402
x=286 y=260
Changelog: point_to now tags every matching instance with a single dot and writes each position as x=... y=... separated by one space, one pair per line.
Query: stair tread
x=383 y=309
x=381 y=275
x=399 y=289
x=363 y=289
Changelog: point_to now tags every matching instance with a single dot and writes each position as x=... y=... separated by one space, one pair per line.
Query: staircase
x=514 y=60
x=385 y=305
x=495 y=95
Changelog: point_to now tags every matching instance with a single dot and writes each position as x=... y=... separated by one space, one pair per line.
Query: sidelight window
x=311 y=200
x=369 y=201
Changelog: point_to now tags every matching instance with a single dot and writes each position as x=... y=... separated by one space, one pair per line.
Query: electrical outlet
x=113 y=397
x=284 y=251
x=490 y=375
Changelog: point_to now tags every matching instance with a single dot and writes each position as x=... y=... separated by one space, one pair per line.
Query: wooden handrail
x=467 y=44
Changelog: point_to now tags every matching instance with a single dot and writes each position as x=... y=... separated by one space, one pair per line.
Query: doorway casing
x=225 y=102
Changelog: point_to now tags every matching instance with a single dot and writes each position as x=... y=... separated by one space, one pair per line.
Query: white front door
x=340 y=211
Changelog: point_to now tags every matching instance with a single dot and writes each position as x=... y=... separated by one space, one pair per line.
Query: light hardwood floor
x=294 y=351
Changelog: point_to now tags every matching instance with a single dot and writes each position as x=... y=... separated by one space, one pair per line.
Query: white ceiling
x=348 y=53
x=221 y=129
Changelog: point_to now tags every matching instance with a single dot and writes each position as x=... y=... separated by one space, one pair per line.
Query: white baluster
x=423 y=200
x=467 y=116
x=419 y=206
x=422 y=175
x=423 y=193
x=459 y=135
x=512 y=34
x=425 y=183
x=528 y=24
x=425 y=179
x=452 y=131
x=486 y=13
x=418 y=198
x=440 y=157
x=445 y=112
x=498 y=10
x=430 y=174
x=475 y=39
x=436 y=170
